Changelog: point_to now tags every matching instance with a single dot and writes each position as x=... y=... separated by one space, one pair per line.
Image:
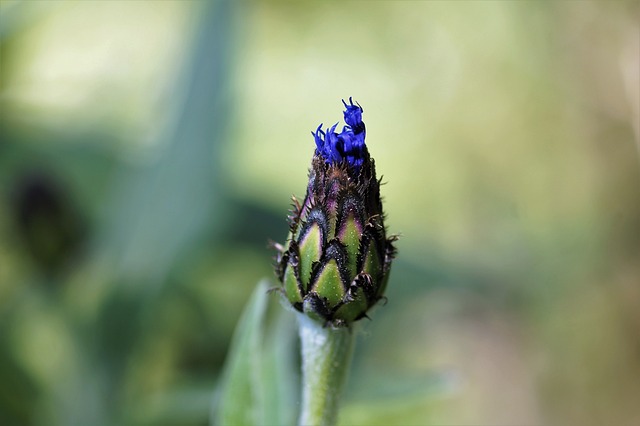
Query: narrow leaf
x=240 y=404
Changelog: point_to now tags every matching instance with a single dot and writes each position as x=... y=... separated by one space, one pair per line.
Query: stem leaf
x=258 y=385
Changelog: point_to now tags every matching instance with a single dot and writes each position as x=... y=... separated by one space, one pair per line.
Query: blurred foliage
x=148 y=151
x=261 y=377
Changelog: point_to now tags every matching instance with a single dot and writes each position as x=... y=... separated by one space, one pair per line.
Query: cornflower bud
x=335 y=263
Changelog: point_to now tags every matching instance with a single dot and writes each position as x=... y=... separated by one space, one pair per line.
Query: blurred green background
x=148 y=150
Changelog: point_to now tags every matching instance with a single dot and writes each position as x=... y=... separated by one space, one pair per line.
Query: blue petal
x=319 y=137
x=349 y=144
x=353 y=116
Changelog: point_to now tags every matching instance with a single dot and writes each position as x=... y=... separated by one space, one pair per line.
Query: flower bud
x=335 y=263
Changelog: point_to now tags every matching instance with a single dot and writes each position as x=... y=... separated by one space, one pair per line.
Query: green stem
x=326 y=356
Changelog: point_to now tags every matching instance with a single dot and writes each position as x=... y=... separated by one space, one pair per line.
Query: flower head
x=347 y=145
x=335 y=263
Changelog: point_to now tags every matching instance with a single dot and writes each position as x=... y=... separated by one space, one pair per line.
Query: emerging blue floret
x=347 y=145
x=353 y=116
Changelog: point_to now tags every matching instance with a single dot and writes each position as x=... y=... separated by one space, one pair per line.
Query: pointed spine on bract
x=335 y=263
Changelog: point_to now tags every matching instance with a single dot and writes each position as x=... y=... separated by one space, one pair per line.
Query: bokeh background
x=148 y=150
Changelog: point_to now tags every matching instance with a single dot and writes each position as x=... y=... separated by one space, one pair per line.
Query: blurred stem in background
x=153 y=216
x=161 y=210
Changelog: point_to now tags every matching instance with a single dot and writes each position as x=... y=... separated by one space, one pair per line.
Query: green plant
x=333 y=267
